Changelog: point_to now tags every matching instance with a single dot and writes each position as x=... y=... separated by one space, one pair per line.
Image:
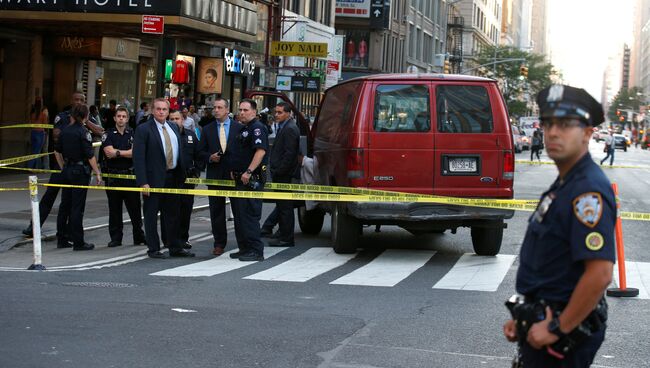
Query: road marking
x=388 y=269
x=304 y=267
x=213 y=266
x=478 y=273
x=197 y=236
x=181 y=310
x=637 y=276
x=103 y=261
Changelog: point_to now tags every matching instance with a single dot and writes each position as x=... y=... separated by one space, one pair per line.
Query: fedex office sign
x=239 y=63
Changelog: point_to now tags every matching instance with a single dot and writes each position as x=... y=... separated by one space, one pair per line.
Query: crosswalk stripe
x=197 y=236
x=478 y=273
x=304 y=267
x=388 y=269
x=637 y=275
x=213 y=266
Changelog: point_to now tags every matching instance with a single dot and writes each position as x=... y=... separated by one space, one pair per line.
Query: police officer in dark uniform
x=567 y=256
x=117 y=150
x=249 y=172
x=74 y=152
x=193 y=166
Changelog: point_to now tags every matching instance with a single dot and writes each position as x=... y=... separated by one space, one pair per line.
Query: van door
x=467 y=149
x=400 y=137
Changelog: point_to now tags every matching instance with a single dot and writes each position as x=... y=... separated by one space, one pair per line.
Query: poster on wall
x=356 y=49
x=209 y=76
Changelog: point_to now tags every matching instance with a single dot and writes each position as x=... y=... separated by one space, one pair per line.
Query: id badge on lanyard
x=543 y=207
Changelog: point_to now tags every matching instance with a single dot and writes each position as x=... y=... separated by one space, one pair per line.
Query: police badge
x=588 y=208
x=89 y=137
x=244 y=133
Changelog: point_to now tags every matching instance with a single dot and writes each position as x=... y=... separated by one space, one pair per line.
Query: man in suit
x=157 y=151
x=216 y=137
x=284 y=167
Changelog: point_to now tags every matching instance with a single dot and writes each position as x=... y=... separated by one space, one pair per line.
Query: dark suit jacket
x=209 y=144
x=285 y=150
x=149 y=160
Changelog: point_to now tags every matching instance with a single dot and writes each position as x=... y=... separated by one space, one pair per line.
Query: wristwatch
x=117 y=153
x=249 y=172
x=554 y=328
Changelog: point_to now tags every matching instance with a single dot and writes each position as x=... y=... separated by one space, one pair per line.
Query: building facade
x=539 y=28
x=123 y=51
x=482 y=27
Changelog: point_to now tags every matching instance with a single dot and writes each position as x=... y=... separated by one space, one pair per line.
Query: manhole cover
x=99 y=284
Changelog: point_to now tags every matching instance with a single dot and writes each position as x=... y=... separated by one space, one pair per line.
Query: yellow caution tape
x=12 y=189
x=41 y=126
x=15 y=160
x=526 y=162
x=535 y=162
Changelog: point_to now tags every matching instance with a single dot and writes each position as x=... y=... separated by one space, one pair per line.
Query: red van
x=435 y=134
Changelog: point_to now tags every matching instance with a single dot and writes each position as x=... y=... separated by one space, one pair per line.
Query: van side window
x=463 y=109
x=402 y=108
x=337 y=112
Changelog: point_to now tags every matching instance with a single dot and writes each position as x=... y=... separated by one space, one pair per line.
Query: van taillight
x=508 y=165
x=355 y=163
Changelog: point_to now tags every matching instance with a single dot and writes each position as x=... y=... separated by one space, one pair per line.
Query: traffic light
x=621 y=118
x=618 y=112
x=447 y=67
x=523 y=71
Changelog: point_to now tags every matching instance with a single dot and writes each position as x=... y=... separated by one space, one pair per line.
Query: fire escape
x=455 y=25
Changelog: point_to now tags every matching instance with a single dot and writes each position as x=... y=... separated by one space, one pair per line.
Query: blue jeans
x=610 y=155
x=37 y=140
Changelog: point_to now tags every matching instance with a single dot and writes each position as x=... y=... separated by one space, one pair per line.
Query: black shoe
x=63 y=243
x=181 y=253
x=275 y=242
x=139 y=241
x=251 y=257
x=114 y=243
x=158 y=254
x=235 y=255
x=28 y=231
x=187 y=245
x=85 y=246
x=265 y=233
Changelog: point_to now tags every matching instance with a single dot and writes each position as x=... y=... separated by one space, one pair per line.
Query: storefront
x=48 y=50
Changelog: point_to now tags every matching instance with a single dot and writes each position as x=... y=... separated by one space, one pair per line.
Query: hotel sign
x=157 y=7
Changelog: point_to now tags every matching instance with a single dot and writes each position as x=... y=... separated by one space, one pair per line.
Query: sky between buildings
x=583 y=33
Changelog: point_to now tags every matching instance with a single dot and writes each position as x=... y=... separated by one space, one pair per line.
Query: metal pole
x=36 y=225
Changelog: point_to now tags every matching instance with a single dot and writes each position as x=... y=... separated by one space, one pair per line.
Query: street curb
x=52 y=236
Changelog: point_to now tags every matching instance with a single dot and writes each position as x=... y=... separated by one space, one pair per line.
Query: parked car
x=620 y=142
x=525 y=142
x=601 y=135
x=423 y=134
x=517 y=138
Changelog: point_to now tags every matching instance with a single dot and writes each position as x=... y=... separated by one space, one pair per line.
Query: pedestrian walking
x=74 y=153
x=537 y=144
x=249 y=172
x=284 y=167
x=215 y=149
x=157 y=150
x=567 y=256
x=117 y=148
x=609 y=149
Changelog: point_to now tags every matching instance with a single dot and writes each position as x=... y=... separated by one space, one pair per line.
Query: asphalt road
x=437 y=306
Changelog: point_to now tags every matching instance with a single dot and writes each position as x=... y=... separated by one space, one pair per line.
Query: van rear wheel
x=487 y=240
x=345 y=231
x=311 y=222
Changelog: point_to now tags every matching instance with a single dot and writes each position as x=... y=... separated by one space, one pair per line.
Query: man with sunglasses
x=567 y=256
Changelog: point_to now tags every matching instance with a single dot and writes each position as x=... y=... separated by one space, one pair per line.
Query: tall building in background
x=637 y=67
x=525 y=26
x=611 y=79
x=625 y=68
x=482 y=27
x=539 y=28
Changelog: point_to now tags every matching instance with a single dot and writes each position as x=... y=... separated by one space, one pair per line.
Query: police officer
x=117 y=148
x=193 y=166
x=567 y=256
x=249 y=171
x=74 y=152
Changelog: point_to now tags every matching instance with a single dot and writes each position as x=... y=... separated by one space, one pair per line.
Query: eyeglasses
x=562 y=123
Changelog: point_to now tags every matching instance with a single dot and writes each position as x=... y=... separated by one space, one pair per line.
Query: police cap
x=561 y=101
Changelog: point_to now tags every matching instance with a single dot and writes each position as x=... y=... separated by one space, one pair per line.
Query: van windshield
x=463 y=109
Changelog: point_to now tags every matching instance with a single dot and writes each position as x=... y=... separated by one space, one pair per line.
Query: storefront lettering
x=130 y=3
x=72 y=43
x=157 y=7
x=239 y=62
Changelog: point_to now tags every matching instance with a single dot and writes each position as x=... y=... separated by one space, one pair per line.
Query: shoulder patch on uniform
x=89 y=137
x=588 y=208
x=104 y=137
x=57 y=119
x=257 y=132
x=594 y=241
x=258 y=141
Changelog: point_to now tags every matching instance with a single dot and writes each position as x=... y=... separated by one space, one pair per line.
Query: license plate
x=462 y=164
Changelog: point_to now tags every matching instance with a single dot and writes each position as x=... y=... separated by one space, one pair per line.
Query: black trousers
x=218 y=218
x=47 y=202
x=248 y=212
x=581 y=357
x=167 y=205
x=187 y=203
x=73 y=203
x=133 y=206
x=285 y=214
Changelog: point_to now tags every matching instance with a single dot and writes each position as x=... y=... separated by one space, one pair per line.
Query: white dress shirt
x=172 y=137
